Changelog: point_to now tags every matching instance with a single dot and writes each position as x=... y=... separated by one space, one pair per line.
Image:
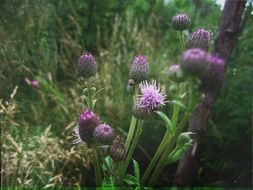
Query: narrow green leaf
x=136 y=169
x=177 y=102
x=131 y=180
x=94 y=103
x=165 y=118
x=177 y=153
x=109 y=161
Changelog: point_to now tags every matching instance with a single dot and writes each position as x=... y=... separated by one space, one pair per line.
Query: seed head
x=151 y=98
x=193 y=62
x=199 y=39
x=86 y=66
x=214 y=76
x=117 y=149
x=86 y=124
x=175 y=73
x=139 y=69
x=181 y=22
x=104 y=133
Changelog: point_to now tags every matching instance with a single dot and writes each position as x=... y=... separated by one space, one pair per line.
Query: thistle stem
x=162 y=145
x=133 y=123
x=181 y=40
x=176 y=131
x=156 y=157
x=132 y=147
x=132 y=129
x=168 y=149
x=97 y=170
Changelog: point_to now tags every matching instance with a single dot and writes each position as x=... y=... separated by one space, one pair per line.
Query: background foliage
x=42 y=37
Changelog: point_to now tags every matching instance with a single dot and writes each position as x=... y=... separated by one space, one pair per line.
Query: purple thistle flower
x=151 y=98
x=214 y=76
x=35 y=84
x=86 y=124
x=139 y=69
x=181 y=21
x=193 y=62
x=104 y=134
x=86 y=66
x=175 y=73
x=199 y=39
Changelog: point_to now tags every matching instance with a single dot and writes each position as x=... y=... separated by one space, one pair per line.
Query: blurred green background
x=41 y=38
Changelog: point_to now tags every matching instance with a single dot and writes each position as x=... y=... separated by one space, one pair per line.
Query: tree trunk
x=229 y=29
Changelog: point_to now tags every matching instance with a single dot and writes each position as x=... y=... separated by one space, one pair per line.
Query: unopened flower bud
x=130 y=85
x=181 y=22
x=140 y=112
x=199 y=39
x=104 y=134
x=86 y=66
x=193 y=62
x=35 y=84
x=139 y=69
x=86 y=124
x=184 y=138
x=214 y=76
x=117 y=149
x=175 y=73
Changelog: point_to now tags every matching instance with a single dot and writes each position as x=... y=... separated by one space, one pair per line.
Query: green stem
x=132 y=129
x=156 y=157
x=162 y=162
x=89 y=95
x=169 y=148
x=162 y=145
x=181 y=40
x=132 y=125
x=132 y=147
x=97 y=168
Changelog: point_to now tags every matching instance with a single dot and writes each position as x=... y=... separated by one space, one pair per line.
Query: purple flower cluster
x=151 y=98
x=88 y=126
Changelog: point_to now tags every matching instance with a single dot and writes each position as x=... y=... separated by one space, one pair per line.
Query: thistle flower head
x=175 y=73
x=86 y=66
x=86 y=124
x=181 y=21
x=139 y=69
x=152 y=97
x=35 y=84
x=199 y=39
x=193 y=62
x=104 y=133
x=117 y=149
x=215 y=74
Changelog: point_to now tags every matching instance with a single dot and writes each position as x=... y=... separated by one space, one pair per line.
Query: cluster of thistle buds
x=90 y=130
x=195 y=60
